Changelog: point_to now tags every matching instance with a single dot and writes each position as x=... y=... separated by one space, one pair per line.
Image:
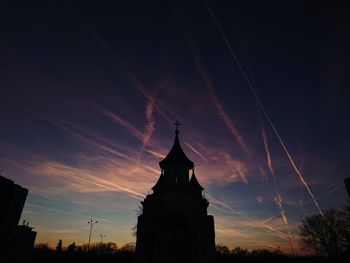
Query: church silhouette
x=174 y=225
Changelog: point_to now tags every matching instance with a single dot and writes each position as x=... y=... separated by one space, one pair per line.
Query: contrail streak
x=267 y=151
x=156 y=154
x=229 y=123
x=277 y=232
x=95 y=142
x=221 y=111
x=298 y=172
x=132 y=77
x=56 y=123
x=262 y=107
x=82 y=138
x=135 y=132
x=149 y=127
x=278 y=200
x=69 y=213
x=93 y=179
x=336 y=188
x=221 y=205
x=265 y=221
x=196 y=151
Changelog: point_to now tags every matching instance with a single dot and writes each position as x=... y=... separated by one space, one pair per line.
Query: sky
x=90 y=92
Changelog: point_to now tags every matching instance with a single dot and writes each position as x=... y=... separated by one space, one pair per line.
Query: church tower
x=174 y=226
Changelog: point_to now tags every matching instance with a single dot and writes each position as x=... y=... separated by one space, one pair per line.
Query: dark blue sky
x=89 y=92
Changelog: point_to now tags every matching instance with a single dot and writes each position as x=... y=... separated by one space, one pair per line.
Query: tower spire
x=177 y=124
x=176 y=164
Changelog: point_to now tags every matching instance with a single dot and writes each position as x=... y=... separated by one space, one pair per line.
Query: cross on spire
x=177 y=124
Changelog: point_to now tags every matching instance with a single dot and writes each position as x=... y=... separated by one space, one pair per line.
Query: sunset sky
x=89 y=94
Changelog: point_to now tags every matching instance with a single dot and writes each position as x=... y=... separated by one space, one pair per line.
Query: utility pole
x=91 y=223
x=102 y=236
x=290 y=237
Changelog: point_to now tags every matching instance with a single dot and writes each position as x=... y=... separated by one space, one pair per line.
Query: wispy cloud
x=81 y=175
x=238 y=168
x=221 y=111
x=195 y=151
x=156 y=153
x=65 y=212
x=221 y=205
x=125 y=124
x=145 y=136
x=268 y=230
x=150 y=126
x=278 y=200
x=102 y=144
x=267 y=150
x=231 y=169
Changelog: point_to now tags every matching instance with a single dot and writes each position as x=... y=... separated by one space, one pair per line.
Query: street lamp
x=290 y=237
x=91 y=223
x=102 y=236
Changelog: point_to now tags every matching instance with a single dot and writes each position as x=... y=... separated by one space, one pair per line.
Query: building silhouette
x=12 y=199
x=347 y=185
x=14 y=237
x=24 y=237
x=174 y=225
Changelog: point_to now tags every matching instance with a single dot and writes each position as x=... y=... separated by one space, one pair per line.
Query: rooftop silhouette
x=14 y=237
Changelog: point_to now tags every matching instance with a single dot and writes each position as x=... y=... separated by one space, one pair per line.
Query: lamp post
x=290 y=237
x=91 y=223
x=102 y=236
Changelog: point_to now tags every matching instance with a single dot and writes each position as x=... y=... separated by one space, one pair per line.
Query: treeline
x=99 y=248
x=263 y=255
x=95 y=252
x=111 y=253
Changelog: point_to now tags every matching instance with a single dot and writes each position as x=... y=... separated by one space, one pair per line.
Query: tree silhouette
x=71 y=248
x=129 y=247
x=239 y=251
x=222 y=249
x=109 y=248
x=344 y=221
x=42 y=246
x=323 y=234
x=59 y=246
